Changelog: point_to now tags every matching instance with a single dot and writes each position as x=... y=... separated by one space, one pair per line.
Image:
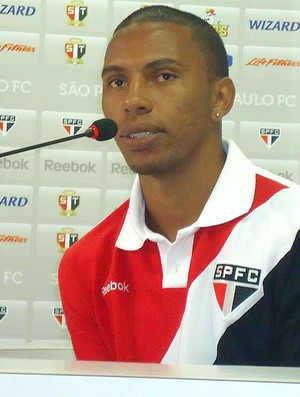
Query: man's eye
x=165 y=77
x=117 y=83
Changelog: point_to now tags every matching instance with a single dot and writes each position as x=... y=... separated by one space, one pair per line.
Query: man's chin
x=150 y=169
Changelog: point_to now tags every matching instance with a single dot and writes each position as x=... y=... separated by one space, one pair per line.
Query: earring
x=217 y=114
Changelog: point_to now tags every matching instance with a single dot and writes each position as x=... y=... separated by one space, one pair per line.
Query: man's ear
x=223 y=98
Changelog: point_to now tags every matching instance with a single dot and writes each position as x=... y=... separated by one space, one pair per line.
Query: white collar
x=231 y=197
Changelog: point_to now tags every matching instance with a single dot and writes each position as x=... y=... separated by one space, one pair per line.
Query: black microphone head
x=104 y=129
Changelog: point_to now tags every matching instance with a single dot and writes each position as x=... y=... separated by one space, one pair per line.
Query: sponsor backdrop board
x=51 y=54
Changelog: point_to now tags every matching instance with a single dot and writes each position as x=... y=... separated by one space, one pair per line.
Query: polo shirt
x=223 y=206
x=224 y=292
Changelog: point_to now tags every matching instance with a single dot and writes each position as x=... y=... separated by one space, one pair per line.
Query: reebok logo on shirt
x=114 y=286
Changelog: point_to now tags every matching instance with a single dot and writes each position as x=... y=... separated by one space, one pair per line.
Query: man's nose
x=138 y=98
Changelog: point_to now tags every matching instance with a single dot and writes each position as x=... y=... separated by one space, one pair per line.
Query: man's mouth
x=140 y=135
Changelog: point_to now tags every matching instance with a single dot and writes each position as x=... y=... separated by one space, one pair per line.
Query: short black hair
x=204 y=35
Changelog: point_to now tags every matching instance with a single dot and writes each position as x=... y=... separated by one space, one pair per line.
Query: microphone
x=101 y=130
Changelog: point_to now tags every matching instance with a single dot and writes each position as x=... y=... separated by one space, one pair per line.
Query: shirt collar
x=231 y=197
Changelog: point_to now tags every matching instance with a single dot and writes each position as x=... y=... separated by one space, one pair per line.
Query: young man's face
x=156 y=88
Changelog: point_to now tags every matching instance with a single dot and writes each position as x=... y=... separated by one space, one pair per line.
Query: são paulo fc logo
x=3 y=313
x=59 y=316
x=71 y=126
x=7 y=121
x=233 y=285
x=270 y=136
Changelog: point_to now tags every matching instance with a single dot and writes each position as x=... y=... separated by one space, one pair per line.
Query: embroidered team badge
x=269 y=136
x=234 y=284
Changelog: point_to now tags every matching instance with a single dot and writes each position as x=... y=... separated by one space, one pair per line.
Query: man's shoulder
x=273 y=178
x=114 y=219
x=282 y=197
x=105 y=233
x=112 y=224
x=278 y=183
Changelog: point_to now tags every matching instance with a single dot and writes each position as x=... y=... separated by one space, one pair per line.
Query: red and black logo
x=234 y=284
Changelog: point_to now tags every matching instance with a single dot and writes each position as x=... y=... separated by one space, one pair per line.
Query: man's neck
x=176 y=200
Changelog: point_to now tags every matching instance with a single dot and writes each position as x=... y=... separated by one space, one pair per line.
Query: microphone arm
x=48 y=143
x=101 y=130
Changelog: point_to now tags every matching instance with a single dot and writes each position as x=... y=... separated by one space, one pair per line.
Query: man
x=202 y=265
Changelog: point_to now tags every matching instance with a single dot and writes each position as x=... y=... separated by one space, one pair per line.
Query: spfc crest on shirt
x=75 y=50
x=77 y=12
x=59 y=316
x=71 y=126
x=68 y=202
x=65 y=238
x=269 y=136
x=233 y=285
x=3 y=312
x=7 y=121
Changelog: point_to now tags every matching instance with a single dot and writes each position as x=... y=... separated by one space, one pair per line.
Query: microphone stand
x=88 y=133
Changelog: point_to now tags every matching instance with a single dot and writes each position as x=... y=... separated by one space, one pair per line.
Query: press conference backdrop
x=51 y=54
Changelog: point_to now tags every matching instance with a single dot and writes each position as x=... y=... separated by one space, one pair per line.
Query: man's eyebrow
x=112 y=69
x=163 y=62
x=151 y=65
